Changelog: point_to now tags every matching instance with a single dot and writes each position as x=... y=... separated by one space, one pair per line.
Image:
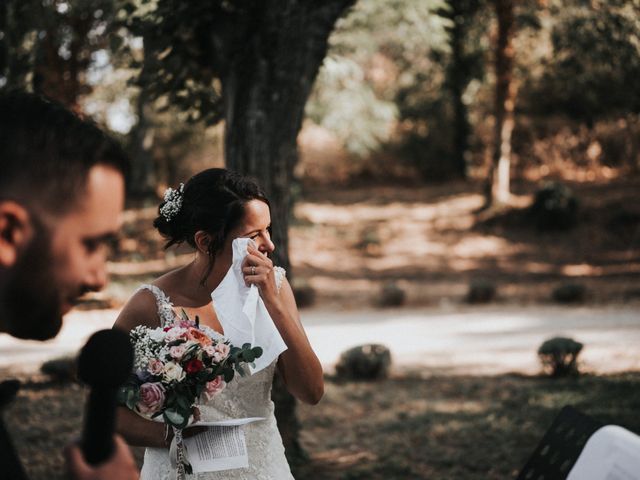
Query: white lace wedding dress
x=243 y=397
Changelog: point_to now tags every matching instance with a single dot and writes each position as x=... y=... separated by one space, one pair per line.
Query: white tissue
x=242 y=313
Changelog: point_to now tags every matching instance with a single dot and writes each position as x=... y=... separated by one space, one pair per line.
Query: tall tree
x=251 y=63
x=47 y=46
x=593 y=70
x=498 y=190
x=464 y=65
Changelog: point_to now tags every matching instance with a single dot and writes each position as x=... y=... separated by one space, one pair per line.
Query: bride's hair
x=212 y=201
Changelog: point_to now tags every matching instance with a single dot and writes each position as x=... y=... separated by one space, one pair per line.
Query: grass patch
x=467 y=427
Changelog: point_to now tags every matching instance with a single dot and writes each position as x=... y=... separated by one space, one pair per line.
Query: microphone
x=105 y=363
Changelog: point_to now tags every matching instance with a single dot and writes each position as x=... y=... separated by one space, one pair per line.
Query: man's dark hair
x=46 y=152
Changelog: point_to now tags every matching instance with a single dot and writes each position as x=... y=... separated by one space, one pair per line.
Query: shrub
x=570 y=293
x=559 y=356
x=391 y=295
x=62 y=369
x=481 y=291
x=370 y=243
x=364 y=362
x=304 y=293
x=555 y=207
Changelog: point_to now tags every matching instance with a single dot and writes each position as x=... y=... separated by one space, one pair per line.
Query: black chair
x=559 y=449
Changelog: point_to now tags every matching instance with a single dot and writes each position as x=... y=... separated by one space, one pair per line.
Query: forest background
x=418 y=154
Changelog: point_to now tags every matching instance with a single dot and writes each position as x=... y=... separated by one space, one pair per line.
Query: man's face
x=65 y=259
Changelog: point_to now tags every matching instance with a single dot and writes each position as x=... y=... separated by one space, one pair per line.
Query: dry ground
x=430 y=241
x=409 y=427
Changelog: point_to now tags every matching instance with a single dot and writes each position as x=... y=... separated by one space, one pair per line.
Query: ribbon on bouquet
x=179 y=455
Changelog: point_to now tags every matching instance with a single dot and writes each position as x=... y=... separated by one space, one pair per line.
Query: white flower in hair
x=172 y=202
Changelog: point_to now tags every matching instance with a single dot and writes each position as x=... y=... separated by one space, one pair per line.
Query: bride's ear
x=202 y=240
x=15 y=231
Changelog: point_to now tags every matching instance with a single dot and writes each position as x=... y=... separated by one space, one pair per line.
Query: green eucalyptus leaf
x=175 y=418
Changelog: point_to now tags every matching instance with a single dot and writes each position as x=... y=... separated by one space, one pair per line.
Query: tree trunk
x=498 y=181
x=265 y=89
x=143 y=172
x=458 y=80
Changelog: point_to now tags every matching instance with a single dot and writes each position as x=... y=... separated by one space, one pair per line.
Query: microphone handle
x=97 y=436
x=9 y=461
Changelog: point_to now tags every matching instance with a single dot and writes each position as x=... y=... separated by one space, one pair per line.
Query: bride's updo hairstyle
x=212 y=201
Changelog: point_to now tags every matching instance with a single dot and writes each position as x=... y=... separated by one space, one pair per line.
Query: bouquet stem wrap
x=182 y=465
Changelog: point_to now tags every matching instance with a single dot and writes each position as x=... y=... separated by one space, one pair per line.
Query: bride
x=215 y=207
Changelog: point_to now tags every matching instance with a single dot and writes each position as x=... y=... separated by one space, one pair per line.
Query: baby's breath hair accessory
x=172 y=202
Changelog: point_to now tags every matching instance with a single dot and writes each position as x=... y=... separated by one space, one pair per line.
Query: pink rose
x=223 y=348
x=151 y=398
x=209 y=350
x=155 y=367
x=177 y=351
x=221 y=352
x=214 y=387
x=175 y=333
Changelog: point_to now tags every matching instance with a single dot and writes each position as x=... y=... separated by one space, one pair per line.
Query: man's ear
x=202 y=240
x=15 y=231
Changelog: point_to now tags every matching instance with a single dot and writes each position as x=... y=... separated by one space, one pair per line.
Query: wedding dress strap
x=163 y=302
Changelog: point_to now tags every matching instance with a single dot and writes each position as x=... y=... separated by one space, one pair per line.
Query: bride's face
x=256 y=225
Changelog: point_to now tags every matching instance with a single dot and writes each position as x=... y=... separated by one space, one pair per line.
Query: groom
x=61 y=196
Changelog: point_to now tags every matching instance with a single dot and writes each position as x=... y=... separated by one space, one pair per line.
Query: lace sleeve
x=280 y=274
x=163 y=302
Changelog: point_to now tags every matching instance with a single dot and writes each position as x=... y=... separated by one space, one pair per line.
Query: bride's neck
x=197 y=271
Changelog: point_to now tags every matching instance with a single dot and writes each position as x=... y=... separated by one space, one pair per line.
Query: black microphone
x=104 y=364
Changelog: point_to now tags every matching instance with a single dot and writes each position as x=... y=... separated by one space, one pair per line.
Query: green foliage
x=559 y=356
x=391 y=295
x=594 y=70
x=49 y=45
x=180 y=66
x=364 y=362
x=569 y=293
x=435 y=106
x=555 y=207
x=376 y=51
x=481 y=291
x=349 y=107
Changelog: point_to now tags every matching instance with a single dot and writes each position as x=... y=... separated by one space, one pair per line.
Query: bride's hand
x=257 y=269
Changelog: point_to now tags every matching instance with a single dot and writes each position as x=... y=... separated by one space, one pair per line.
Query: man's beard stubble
x=30 y=300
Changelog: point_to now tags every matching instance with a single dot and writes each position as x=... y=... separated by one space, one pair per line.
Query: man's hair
x=46 y=152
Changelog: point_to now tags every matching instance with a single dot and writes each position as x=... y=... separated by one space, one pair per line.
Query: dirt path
x=489 y=340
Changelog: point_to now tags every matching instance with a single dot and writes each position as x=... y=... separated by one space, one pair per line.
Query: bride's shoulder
x=141 y=309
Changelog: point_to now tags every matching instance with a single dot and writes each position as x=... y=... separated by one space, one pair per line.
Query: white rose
x=173 y=371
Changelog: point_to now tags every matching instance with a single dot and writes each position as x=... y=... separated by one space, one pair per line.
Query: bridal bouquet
x=177 y=366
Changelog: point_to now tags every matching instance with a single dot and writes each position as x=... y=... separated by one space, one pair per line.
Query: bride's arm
x=140 y=432
x=140 y=310
x=298 y=365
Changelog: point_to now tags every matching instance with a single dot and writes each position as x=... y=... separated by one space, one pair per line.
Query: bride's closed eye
x=255 y=235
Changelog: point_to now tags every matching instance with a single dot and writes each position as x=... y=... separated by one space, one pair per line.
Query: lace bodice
x=243 y=397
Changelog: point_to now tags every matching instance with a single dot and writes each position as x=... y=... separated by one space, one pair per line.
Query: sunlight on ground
x=468 y=341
